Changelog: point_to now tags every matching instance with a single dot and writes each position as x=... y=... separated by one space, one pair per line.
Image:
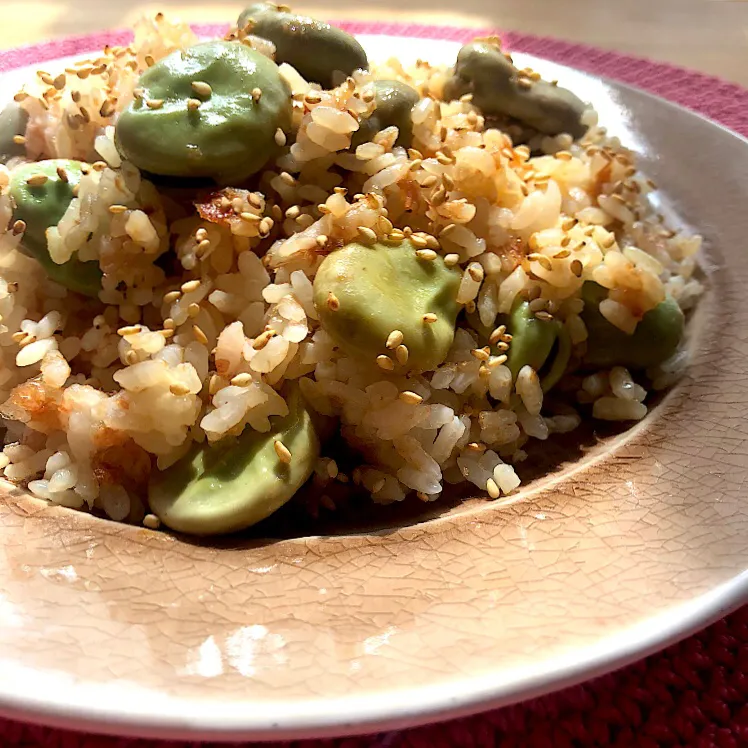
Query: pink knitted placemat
x=693 y=694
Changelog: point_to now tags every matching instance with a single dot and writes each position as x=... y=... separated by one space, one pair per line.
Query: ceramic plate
x=628 y=545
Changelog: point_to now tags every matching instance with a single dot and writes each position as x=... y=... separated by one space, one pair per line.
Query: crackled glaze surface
x=486 y=603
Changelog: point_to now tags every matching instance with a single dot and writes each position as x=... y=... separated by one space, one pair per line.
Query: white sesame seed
x=394 y=339
x=385 y=362
x=284 y=454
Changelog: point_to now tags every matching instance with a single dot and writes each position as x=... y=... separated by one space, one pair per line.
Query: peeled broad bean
x=13 y=121
x=542 y=344
x=40 y=199
x=394 y=103
x=316 y=49
x=498 y=89
x=655 y=339
x=364 y=294
x=231 y=485
x=212 y=111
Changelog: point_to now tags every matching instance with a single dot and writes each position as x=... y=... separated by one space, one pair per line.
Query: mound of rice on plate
x=206 y=312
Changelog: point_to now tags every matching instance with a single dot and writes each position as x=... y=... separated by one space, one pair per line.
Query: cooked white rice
x=96 y=395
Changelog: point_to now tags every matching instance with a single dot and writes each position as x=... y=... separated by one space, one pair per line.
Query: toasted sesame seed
x=200 y=336
x=17 y=337
x=430 y=181
x=26 y=340
x=576 y=268
x=169 y=324
x=251 y=217
x=129 y=330
x=280 y=138
x=426 y=254
x=242 y=380
x=150 y=103
x=429 y=318
x=263 y=339
x=283 y=452
x=312 y=97
x=193 y=104
x=193 y=309
x=287 y=178
x=563 y=156
x=562 y=254
x=482 y=354
x=412 y=398
x=401 y=354
x=151 y=521
x=333 y=303
x=19 y=227
x=116 y=209
x=214 y=384
x=256 y=94
x=293 y=212
x=476 y=447
x=367 y=234
x=19 y=140
x=179 y=389
x=418 y=241
x=439 y=197
x=171 y=297
x=37 y=180
x=21 y=96
x=266 y=226
x=541 y=259
x=492 y=488
x=475 y=271
x=191 y=285
x=201 y=88
x=451 y=259
x=108 y=107
x=394 y=339
x=544 y=316
x=385 y=362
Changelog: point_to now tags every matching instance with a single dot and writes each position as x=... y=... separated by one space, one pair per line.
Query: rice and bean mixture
x=206 y=313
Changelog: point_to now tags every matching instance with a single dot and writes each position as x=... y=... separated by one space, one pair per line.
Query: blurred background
x=707 y=35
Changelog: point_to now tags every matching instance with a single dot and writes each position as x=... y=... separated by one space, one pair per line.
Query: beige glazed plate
x=631 y=543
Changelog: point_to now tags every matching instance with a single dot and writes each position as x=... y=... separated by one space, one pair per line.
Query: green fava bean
x=363 y=293
x=498 y=90
x=42 y=204
x=232 y=485
x=542 y=344
x=229 y=136
x=13 y=120
x=655 y=339
x=395 y=101
x=316 y=49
